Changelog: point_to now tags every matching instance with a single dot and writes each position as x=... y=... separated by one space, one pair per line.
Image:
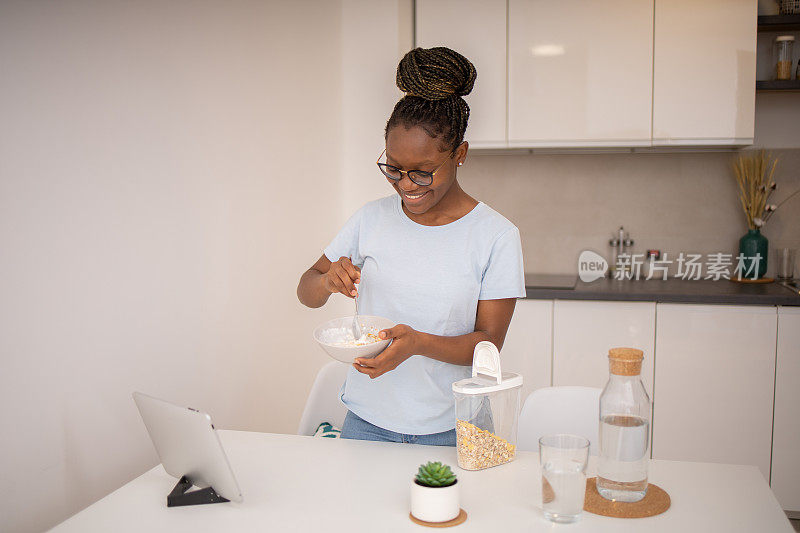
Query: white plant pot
x=434 y=504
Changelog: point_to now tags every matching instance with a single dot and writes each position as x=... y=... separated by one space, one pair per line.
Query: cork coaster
x=655 y=502
x=460 y=519
x=751 y=280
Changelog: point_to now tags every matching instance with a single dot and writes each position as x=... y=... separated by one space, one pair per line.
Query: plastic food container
x=487 y=411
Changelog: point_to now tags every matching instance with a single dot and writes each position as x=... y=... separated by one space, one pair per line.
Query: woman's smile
x=414 y=198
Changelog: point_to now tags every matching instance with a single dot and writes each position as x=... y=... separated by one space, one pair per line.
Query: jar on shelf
x=783 y=55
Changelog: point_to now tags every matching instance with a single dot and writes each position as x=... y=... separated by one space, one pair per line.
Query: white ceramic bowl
x=334 y=330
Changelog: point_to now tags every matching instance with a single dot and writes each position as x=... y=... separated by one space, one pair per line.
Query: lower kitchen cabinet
x=583 y=331
x=786 y=433
x=528 y=348
x=714 y=384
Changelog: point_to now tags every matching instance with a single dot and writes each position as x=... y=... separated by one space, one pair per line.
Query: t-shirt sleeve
x=504 y=276
x=346 y=242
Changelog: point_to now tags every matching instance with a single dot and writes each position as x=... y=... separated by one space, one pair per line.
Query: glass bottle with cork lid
x=624 y=429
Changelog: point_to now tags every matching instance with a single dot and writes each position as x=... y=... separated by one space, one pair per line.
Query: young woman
x=446 y=268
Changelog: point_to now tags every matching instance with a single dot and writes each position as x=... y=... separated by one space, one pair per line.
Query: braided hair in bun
x=434 y=80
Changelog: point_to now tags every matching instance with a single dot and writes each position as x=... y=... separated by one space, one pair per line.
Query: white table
x=294 y=483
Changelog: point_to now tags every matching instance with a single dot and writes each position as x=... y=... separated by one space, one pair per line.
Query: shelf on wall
x=779 y=23
x=778 y=85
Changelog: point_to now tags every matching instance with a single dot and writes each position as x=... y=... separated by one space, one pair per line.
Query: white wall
x=375 y=36
x=167 y=171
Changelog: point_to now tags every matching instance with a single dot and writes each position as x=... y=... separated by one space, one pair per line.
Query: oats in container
x=478 y=449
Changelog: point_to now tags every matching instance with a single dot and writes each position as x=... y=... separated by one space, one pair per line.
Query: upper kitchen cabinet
x=616 y=73
x=580 y=73
x=476 y=29
x=704 y=72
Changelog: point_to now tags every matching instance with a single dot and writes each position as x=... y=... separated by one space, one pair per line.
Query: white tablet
x=188 y=446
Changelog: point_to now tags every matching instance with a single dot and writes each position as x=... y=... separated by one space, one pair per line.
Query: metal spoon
x=356 y=328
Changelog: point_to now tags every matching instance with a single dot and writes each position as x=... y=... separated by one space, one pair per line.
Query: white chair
x=323 y=404
x=574 y=410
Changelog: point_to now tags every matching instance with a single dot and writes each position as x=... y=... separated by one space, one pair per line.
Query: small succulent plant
x=435 y=475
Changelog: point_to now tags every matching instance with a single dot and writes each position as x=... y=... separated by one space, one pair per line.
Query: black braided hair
x=434 y=80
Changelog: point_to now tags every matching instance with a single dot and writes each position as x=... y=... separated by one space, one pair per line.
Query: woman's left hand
x=404 y=345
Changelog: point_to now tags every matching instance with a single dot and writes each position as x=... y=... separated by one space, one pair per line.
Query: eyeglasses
x=420 y=177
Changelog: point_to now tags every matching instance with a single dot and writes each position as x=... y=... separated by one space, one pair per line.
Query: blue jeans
x=355 y=427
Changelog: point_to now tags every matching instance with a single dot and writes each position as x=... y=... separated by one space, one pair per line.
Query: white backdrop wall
x=375 y=35
x=167 y=171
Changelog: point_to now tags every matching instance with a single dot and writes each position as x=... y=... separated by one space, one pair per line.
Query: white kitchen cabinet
x=583 y=332
x=580 y=73
x=704 y=72
x=786 y=433
x=528 y=348
x=617 y=73
x=477 y=30
x=715 y=372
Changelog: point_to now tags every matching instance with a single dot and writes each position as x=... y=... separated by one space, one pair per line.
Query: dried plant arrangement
x=754 y=174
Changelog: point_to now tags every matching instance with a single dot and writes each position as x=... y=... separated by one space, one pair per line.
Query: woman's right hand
x=342 y=276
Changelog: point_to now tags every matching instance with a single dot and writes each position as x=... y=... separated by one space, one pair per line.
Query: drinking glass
x=785 y=263
x=563 y=460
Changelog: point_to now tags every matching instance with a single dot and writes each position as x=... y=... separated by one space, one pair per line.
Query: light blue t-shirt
x=430 y=278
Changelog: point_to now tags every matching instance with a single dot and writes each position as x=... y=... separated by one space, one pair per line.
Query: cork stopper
x=625 y=361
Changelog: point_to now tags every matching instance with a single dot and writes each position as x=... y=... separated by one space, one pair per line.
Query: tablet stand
x=179 y=496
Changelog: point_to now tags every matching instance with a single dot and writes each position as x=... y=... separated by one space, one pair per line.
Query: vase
x=753 y=247
x=434 y=504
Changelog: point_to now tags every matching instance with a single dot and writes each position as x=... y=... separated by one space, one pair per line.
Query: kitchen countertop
x=673 y=290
